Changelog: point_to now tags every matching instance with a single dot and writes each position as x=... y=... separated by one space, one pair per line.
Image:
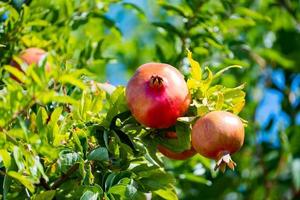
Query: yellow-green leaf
x=220 y=101
x=206 y=83
x=238 y=106
x=34 y=76
x=5 y=158
x=195 y=67
x=219 y=73
x=15 y=72
x=22 y=179
x=72 y=80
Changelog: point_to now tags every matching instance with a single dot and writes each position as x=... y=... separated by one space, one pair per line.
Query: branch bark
x=65 y=176
x=44 y=184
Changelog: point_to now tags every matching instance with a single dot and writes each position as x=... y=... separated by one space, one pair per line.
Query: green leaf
x=18 y=157
x=206 y=82
x=7 y=182
x=167 y=194
x=219 y=73
x=126 y=189
x=156 y=179
x=253 y=14
x=77 y=141
x=202 y=110
x=22 y=179
x=5 y=157
x=117 y=103
x=239 y=22
x=89 y=195
x=220 y=101
x=183 y=132
x=205 y=161
x=99 y=154
x=196 y=72
x=173 y=8
x=296 y=173
x=195 y=178
x=168 y=27
x=37 y=22
x=109 y=181
x=63 y=99
x=15 y=72
x=119 y=189
x=41 y=118
x=277 y=57
x=31 y=72
x=55 y=115
x=151 y=146
x=49 y=195
x=68 y=159
x=72 y=80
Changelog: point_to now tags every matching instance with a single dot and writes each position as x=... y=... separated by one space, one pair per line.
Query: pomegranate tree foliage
x=64 y=137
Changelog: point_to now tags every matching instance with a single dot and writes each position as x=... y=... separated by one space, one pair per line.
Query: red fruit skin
x=157 y=104
x=175 y=155
x=217 y=132
x=31 y=56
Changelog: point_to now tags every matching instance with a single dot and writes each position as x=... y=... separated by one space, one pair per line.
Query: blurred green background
x=112 y=38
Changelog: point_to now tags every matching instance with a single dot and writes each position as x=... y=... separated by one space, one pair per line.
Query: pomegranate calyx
x=224 y=159
x=156 y=81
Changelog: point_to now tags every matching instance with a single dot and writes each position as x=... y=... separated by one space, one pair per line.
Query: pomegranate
x=217 y=135
x=175 y=155
x=157 y=95
x=31 y=56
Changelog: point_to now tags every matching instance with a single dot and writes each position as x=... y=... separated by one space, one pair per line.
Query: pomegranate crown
x=156 y=81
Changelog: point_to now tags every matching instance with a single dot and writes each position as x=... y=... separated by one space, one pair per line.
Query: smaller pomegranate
x=157 y=95
x=217 y=135
x=31 y=56
x=175 y=155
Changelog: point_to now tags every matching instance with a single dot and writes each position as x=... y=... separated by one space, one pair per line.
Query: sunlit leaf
x=196 y=72
x=5 y=157
x=72 y=80
x=22 y=179
x=219 y=73
x=15 y=72
x=168 y=194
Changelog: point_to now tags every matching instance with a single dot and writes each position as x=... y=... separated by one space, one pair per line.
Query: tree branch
x=20 y=112
x=15 y=116
x=65 y=176
x=287 y=6
x=44 y=184
x=2 y=173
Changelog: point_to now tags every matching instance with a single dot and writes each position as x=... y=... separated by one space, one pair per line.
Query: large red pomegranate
x=31 y=56
x=217 y=135
x=175 y=155
x=157 y=95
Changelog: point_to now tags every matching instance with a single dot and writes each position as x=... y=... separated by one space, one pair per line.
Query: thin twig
x=65 y=176
x=15 y=116
x=2 y=173
x=10 y=138
x=44 y=184
x=287 y=6
x=20 y=112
